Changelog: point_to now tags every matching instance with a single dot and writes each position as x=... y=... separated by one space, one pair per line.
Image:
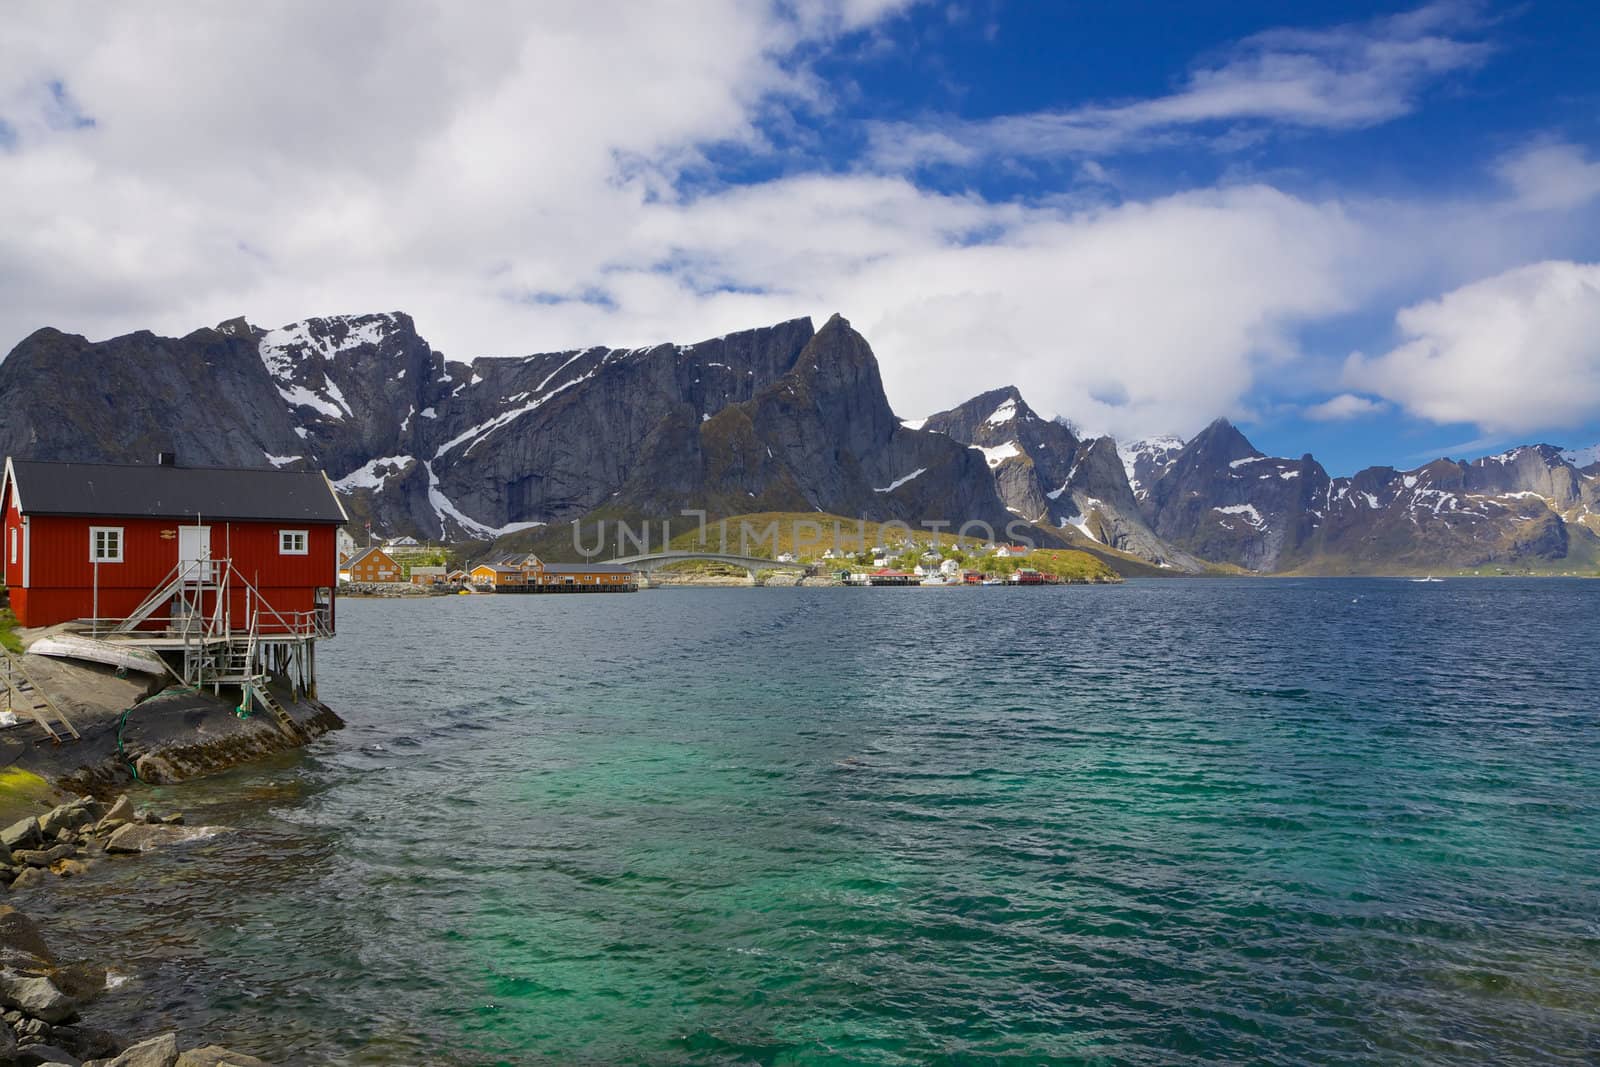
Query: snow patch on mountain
x=1251 y=515
x=898 y=482
x=1158 y=455
x=1003 y=414
x=373 y=473
x=999 y=453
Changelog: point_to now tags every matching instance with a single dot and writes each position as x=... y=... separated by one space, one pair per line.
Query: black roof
x=158 y=491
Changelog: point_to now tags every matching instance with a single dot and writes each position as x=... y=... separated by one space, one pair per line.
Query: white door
x=194 y=553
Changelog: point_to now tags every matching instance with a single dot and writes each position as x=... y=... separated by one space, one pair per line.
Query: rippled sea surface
x=1162 y=823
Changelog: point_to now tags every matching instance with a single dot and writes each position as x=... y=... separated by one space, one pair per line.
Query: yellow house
x=497 y=574
x=586 y=577
x=374 y=565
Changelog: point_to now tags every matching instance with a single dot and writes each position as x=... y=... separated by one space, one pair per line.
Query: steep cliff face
x=1045 y=474
x=414 y=443
x=1224 y=501
x=552 y=437
x=821 y=437
x=205 y=396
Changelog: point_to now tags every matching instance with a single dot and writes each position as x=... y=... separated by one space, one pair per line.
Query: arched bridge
x=649 y=562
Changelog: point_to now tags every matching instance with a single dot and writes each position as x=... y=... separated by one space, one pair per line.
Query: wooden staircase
x=264 y=697
x=24 y=696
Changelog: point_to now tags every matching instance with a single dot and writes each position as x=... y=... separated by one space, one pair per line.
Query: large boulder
x=30 y=877
x=86 y=1042
x=37 y=997
x=29 y=1055
x=156 y=1052
x=156 y=770
x=46 y=856
x=82 y=982
x=24 y=833
x=139 y=837
x=22 y=947
x=119 y=814
x=67 y=817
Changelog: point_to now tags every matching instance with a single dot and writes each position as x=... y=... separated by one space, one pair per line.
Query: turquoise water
x=1161 y=823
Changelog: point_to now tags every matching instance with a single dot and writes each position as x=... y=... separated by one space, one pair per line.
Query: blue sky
x=1365 y=231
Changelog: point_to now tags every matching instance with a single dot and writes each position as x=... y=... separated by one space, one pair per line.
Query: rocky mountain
x=1046 y=475
x=820 y=437
x=781 y=418
x=1217 y=499
x=418 y=444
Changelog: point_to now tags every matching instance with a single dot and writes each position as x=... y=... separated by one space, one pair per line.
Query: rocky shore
x=44 y=997
x=141 y=728
x=390 y=589
x=132 y=728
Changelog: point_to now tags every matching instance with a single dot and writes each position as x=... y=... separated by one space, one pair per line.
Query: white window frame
x=95 y=534
x=283 y=541
x=16 y=545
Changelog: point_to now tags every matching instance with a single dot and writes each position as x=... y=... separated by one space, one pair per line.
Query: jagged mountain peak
x=1218 y=445
x=1147 y=459
x=238 y=327
x=326 y=337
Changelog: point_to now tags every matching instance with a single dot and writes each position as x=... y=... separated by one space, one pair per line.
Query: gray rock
x=154 y=770
x=24 y=833
x=86 y=1042
x=175 y=819
x=22 y=947
x=121 y=811
x=66 y=817
x=156 y=1052
x=36 y=1054
x=29 y=878
x=83 y=982
x=217 y=1056
x=45 y=857
x=37 y=997
x=139 y=837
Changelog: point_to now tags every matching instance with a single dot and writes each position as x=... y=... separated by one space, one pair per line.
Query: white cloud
x=1345 y=406
x=515 y=181
x=1515 y=352
x=1551 y=177
x=1345 y=77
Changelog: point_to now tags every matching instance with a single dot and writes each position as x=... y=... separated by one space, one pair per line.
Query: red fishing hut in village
x=229 y=572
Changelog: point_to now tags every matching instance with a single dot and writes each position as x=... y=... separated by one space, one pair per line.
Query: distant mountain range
x=779 y=419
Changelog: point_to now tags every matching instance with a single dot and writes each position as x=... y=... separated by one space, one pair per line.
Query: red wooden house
x=106 y=541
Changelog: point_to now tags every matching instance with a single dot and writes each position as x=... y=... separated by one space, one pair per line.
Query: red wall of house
x=61 y=580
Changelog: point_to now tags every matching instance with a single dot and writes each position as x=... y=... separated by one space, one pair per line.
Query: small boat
x=75 y=646
x=993 y=581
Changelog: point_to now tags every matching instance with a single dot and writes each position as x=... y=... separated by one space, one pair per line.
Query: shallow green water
x=1168 y=822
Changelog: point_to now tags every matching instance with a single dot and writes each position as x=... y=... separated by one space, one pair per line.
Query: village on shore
x=401 y=566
